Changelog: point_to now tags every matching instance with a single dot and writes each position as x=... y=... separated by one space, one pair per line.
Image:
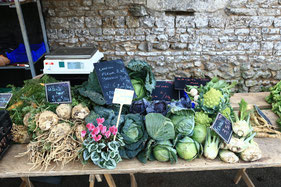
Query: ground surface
x=260 y=177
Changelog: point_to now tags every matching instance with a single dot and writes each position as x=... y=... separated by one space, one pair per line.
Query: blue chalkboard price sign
x=223 y=127
x=58 y=92
x=4 y=99
x=262 y=114
x=111 y=75
x=164 y=90
x=181 y=82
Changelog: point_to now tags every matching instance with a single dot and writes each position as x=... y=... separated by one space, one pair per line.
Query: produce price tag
x=181 y=82
x=4 y=99
x=164 y=90
x=223 y=127
x=262 y=114
x=122 y=96
x=111 y=75
x=58 y=92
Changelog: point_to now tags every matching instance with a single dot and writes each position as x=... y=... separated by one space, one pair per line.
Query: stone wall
x=239 y=41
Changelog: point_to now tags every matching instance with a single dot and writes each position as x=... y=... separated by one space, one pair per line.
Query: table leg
x=98 y=177
x=242 y=174
x=133 y=180
x=109 y=180
x=26 y=182
x=92 y=180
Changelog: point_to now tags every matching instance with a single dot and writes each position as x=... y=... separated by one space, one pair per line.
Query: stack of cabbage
x=242 y=142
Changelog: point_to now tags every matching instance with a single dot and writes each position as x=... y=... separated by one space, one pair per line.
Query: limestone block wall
x=232 y=39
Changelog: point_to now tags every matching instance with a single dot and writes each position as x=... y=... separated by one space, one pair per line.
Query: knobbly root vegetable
x=228 y=156
x=47 y=119
x=78 y=131
x=252 y=153
x=262 y=128
x=63 y=150
x=59 y=131
x=20 y=134
x=80 y=112
x=64 y=111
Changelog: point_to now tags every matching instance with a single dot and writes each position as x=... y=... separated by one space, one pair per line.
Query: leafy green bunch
x=274 y=99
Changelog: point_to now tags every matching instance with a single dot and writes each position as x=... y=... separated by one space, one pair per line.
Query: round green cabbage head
x=161 y=153
x=188 y=149
x=139 y=88
x=200 y=133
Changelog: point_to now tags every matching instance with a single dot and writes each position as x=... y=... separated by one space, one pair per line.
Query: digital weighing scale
x=71 y=60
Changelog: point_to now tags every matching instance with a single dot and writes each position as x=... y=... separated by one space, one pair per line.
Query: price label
x=58 y=92
x=123 y=96
x=223 y=127
x=5 y=99
x=262 y=115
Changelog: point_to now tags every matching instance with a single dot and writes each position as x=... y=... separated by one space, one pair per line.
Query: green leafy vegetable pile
x=275 y=100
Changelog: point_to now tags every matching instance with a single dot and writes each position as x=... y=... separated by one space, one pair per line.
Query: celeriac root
x=44 y=150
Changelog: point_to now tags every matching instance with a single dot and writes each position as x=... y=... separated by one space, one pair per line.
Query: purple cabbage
x=156 y=106
x=139 y=107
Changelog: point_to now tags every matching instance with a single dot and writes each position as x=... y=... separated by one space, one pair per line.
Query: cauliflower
x=202 y=119
x=212 y=98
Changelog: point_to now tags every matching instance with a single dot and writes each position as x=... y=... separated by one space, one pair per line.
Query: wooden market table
x=17 y=167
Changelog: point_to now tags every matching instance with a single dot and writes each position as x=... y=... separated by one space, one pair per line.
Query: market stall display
x=173 y=131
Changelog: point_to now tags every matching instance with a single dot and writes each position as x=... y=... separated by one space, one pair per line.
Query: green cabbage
x=142 y=78
x=164 y=152
x=188 y=149
x=183 y=120
x=134 y=135
x=139 y=88
x=200 y=133
x=159 y=127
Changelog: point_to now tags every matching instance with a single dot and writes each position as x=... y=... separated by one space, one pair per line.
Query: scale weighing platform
x=72 y=60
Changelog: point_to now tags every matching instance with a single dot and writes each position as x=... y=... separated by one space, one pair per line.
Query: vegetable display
x=155 y=130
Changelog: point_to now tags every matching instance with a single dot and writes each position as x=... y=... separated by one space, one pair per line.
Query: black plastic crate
x=5 y=132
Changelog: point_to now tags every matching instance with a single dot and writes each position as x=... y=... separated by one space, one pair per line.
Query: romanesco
x=212 y=98
x=202 y=119
x=226 y=112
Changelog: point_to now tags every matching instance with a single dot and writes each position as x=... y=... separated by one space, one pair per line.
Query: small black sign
x=181 y=82
x=58 y=92
x=223 y=127
x=4 y=99
x=111 y=75
x=262 y=114
x=164 y=90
